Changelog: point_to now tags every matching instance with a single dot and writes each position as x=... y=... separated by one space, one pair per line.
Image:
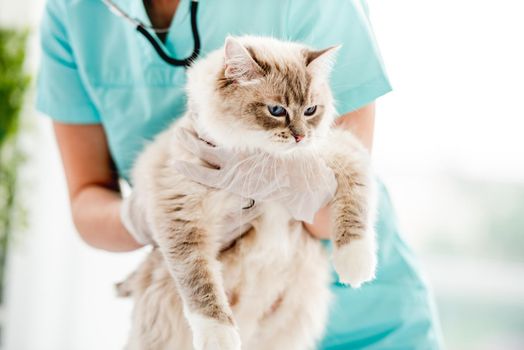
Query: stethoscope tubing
x=143 y=29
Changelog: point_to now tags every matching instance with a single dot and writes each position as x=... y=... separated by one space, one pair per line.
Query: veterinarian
x=108 y=90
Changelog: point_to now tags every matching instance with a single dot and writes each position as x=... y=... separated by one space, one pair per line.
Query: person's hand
x=238 y=222
x=134 y=220
x=303 y=183
x=133 y=217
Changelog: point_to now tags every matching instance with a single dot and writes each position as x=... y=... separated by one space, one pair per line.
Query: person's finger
x=238 y=222
x=204 y=175
x=203 y=150
x=133 y=220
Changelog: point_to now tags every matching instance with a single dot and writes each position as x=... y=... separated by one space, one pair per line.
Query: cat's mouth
x=286 y=145
x=292 y=139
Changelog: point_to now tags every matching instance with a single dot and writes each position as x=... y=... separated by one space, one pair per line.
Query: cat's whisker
x=264 y=167
x=340 y=169
x=306 y=172
x=323 y=178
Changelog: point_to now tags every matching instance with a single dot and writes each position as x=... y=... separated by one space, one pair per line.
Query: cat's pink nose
x=298 y=138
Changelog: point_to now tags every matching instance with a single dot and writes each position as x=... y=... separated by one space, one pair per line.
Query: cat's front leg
x=354 y=253
x=352 y=208
x=191 y=258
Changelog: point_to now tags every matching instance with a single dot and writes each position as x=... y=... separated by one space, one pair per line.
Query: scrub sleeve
x=61 y=92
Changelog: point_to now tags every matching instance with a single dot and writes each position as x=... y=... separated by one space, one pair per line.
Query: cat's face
x=272 y=95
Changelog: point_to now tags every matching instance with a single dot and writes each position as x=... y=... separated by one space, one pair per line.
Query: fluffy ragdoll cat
x=270 y=289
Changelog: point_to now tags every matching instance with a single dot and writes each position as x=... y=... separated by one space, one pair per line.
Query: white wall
x=457 y=70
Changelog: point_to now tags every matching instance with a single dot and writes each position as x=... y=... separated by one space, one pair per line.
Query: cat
x=270 y=288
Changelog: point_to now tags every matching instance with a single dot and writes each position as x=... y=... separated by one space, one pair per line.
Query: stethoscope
x=143 y=29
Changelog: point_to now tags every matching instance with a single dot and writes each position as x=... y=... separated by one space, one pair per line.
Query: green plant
x=13 y=84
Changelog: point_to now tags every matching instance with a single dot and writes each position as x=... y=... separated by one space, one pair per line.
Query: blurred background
x=449 y=145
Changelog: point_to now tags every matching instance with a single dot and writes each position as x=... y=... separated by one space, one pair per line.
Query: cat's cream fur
x=270 y=290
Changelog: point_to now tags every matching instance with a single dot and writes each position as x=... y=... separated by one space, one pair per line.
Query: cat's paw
x=219 y=338
x=209 y=334
x=356 y=262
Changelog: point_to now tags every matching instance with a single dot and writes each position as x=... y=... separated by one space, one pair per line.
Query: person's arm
x=361 y=123
x=93 y=186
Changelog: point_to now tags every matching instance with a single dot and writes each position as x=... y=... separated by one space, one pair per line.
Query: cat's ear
x=321 y=62
x=240 y=65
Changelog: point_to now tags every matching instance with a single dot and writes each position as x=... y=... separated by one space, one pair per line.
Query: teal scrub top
x=96 y=69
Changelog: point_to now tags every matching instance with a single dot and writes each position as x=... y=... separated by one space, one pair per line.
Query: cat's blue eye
x=277 y=111
x=310 y=111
